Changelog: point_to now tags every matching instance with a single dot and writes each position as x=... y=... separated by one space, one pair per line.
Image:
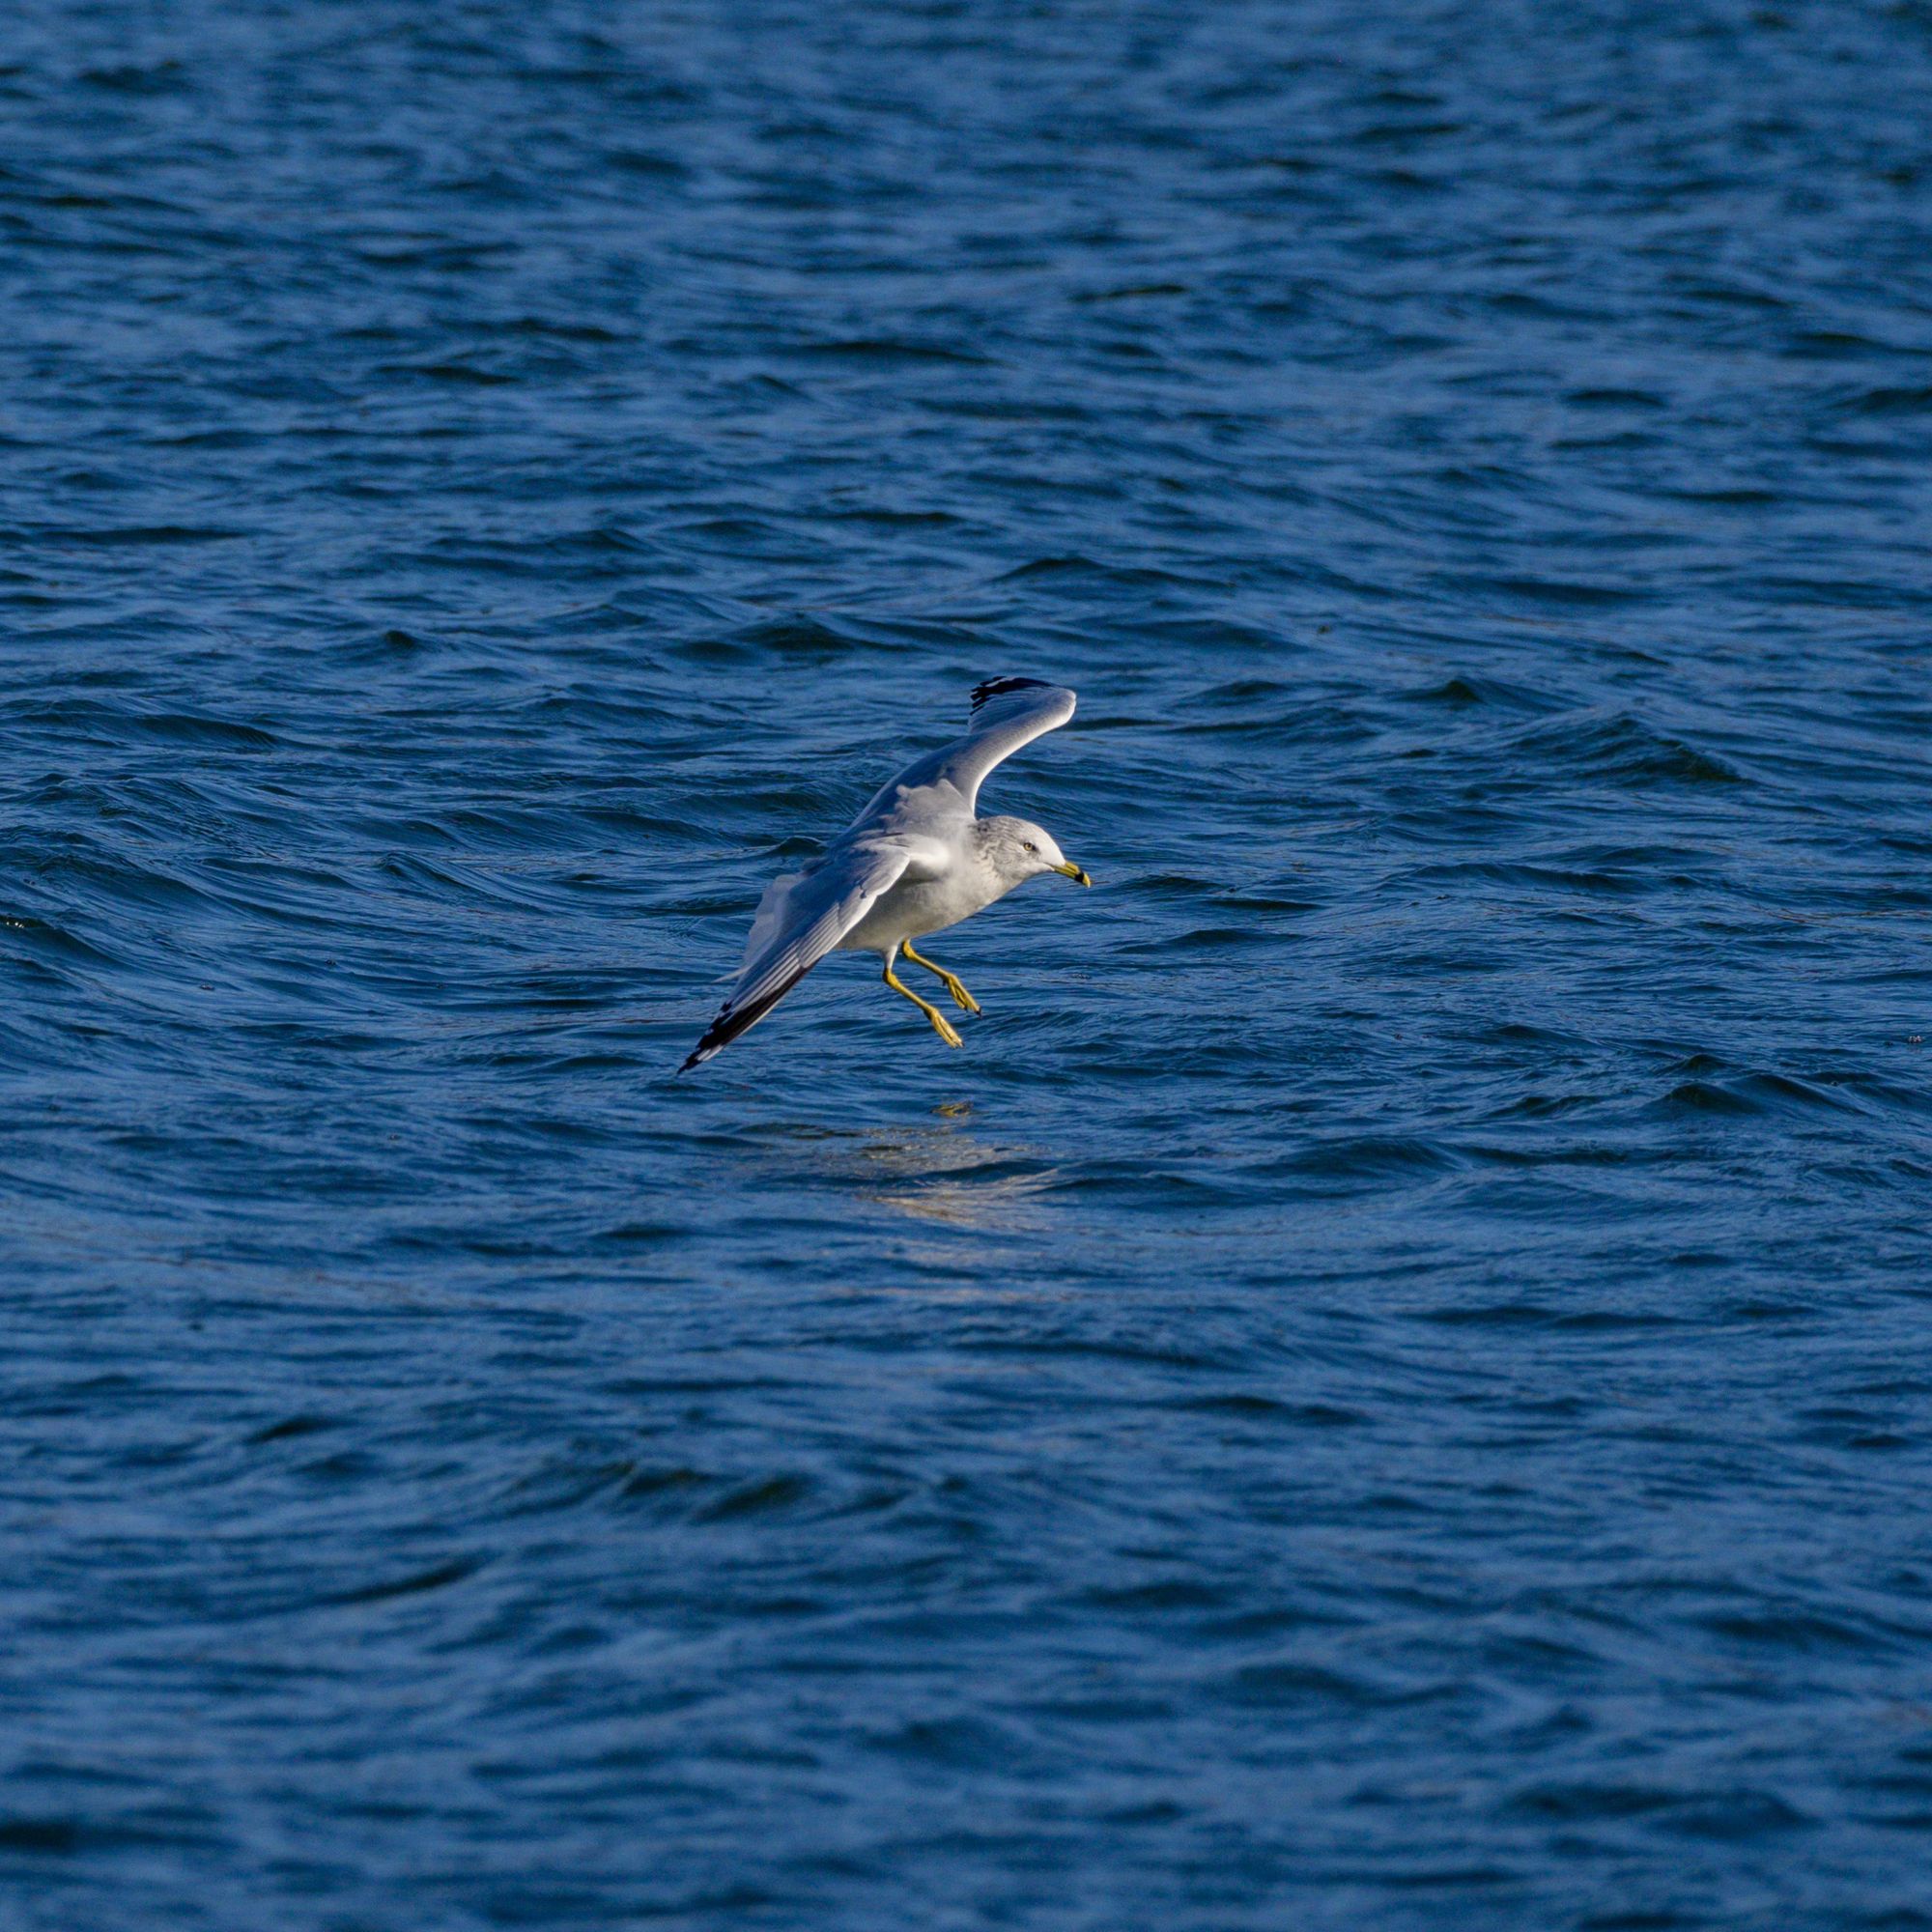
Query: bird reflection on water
x=943 y=1174
x=937 y=1171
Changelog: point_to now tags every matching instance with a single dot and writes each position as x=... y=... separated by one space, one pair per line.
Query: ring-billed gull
x=915 y=860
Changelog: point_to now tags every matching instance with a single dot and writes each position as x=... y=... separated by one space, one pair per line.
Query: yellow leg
x=940 y=1024
x=961 y=998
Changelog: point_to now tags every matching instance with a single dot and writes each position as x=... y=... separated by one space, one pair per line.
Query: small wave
x=1274 y=1685
x=113 y=723
x=165 y=77
x=955 y=1744
x=1493 y=1315
x=1701 y=1097
x=1077 y=566
x=1614 y=399
x=463 y=373
x=1203 y=939
x=1368 y=1157
x=1132 y=292
x=291 y=1428
x=1467 y=690
x=227 y=734
x=1623 y=750
x=1753 y=1093
x=48 y=1837
x=1562 y=593
x=129 y=536
x=1534 y=879
x=886 y=350
x=647 y=161
x=768 y=1495
x=1263 y=1407
x=797 y=638
x=49 y=939
x=1574 y=1802
x=416 y=1583
x=1914 y=400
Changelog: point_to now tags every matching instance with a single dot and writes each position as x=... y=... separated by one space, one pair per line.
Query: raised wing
x=804 y=920
x=1007 y=712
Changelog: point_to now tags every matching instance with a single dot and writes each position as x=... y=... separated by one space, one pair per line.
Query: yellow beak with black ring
x=1073 y=871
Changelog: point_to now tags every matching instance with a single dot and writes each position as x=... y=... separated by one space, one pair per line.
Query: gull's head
x=1016 y=850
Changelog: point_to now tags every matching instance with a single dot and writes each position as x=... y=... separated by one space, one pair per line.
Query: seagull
x=915 y=860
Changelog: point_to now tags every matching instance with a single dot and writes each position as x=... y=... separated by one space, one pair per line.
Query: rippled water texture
x=1390 y=1383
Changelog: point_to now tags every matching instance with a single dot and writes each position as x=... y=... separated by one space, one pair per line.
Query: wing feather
x=815 y=911
x=769 y=918
x=1007 y=712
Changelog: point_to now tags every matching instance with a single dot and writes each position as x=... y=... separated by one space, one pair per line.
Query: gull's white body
x=916 y=860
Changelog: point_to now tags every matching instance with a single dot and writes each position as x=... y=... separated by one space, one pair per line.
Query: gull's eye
x=1029 y=845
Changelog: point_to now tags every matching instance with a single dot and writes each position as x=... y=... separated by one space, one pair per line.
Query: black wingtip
x=707 y=1047
x=998 y=687
x=734 y=1020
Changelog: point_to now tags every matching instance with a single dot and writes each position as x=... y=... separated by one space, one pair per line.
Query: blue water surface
x=1390 y=1382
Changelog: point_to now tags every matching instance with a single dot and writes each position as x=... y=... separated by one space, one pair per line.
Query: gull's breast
x=914 y=907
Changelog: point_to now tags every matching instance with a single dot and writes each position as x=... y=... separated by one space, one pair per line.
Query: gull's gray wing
x=801 y=919
x=769 y=918
x=1007 y=712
